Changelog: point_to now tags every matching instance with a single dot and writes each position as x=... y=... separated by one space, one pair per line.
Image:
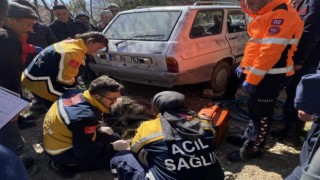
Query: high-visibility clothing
x=176 y=159
x=74 y=107
x=274 y=36
x=54 y=70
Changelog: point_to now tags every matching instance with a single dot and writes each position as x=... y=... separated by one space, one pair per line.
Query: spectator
x=85 y=19
x=56 y=69
x=307 y=101
x=306 y=60
x=175 y=145
x=65 y=27
x=265 y=70
x=216 y=28
x=114 y=8
x=73 y=137
x=19 y=20
x=105 y=17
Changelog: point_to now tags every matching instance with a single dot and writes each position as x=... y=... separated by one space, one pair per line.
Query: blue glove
x=37 y=49
x=239 y=72
x=248 y=87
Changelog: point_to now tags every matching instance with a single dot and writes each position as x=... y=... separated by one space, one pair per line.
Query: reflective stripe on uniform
x=150 y=176
x=143 y=141
x=56 y=152
x=62 y=111
x=46 y=78
x=283 y=41
x=260 y=72
x=61 y=65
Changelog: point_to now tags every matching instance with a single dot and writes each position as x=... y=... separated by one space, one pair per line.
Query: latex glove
x=239 y=72
x=120 y=145
x=37 y=49
x=105 y=130
x=248 y=87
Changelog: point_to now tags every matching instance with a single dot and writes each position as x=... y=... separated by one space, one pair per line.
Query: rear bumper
x=164 y=79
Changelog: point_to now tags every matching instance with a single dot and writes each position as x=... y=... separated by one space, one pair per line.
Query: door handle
x=231 y=38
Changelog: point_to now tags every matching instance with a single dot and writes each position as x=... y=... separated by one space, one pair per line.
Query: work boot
x=64 y=172
x=290 y=134
x=235 y=140
x=26 y=122
x=223 y=97
x=244 y=155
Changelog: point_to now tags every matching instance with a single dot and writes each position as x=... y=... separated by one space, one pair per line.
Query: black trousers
x=261 y=105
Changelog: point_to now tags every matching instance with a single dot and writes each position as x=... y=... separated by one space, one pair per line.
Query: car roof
x=184 y=8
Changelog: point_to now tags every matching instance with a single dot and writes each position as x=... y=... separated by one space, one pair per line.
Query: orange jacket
x=274 y=36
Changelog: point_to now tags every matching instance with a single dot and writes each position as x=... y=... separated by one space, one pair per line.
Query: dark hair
x=4 y=6
x=97 y=37
x=81 y=15
x=56 y=7
x=104 y=84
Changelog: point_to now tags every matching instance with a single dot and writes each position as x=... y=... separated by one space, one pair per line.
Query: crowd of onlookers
x=175 y=143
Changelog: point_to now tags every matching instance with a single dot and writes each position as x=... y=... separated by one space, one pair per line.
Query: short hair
x=104 y=84
x=4 y=7
x=97 y=37
x=114 y=5
x=56 y=7
x=81 y=15
x=106 y=12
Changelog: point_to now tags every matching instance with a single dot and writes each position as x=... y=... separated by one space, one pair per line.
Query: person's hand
x=248 y=87
x=120 y=145
x=105 y=130
x=239 y=72
x=305 y=116
x=38 y=49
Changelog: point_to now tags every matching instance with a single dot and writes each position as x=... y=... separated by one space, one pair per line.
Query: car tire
x=219 y=77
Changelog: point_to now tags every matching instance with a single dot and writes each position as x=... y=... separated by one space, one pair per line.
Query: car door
x=236 y=32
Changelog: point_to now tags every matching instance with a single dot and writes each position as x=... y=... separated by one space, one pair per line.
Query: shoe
x=243 y=155
x=290 y=134
x=223 y=97
x=38 y=107
x=64 y=172
x=235 y=140
x=26 y=122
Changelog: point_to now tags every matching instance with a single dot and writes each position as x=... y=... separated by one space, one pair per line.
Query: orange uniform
x=274 y=36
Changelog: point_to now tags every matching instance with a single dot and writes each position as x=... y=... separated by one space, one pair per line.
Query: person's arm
x=50 y=37
x=311 y=31
x=83 y=133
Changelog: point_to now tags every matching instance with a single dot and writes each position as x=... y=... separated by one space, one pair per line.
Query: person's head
x=20 y=19
x=255 y=5
x=61 y=13
x=114 y=8
x=3 y=10
x=106 y=16
x=105 y=90
x=83 y=18
x=168 y=100
x=94 y=41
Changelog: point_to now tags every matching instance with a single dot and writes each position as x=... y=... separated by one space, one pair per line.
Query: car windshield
x=156 y=26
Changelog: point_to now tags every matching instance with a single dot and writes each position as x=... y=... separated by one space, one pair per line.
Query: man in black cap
x=85 y=19
x=19 y=21
x=64 y=26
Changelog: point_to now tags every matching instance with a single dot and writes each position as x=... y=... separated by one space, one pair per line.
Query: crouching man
x=73 y=137
x=175 y=145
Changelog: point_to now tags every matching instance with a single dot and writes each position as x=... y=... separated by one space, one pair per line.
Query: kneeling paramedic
x=175 y=145
x=72 y=134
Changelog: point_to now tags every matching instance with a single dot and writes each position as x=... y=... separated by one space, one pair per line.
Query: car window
x=155 y=26
x=236 y=21
x=207 y=22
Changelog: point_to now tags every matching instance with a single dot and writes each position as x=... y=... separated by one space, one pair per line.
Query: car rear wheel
x=219 y=77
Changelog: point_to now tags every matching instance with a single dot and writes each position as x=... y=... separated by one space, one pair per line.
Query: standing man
x=265 y=68
x=85 y=19
x=64 y=26
x=73 y=137
x=306 y=60
x=19 y=21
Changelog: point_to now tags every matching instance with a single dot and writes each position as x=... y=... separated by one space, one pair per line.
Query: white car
x=176 y=45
